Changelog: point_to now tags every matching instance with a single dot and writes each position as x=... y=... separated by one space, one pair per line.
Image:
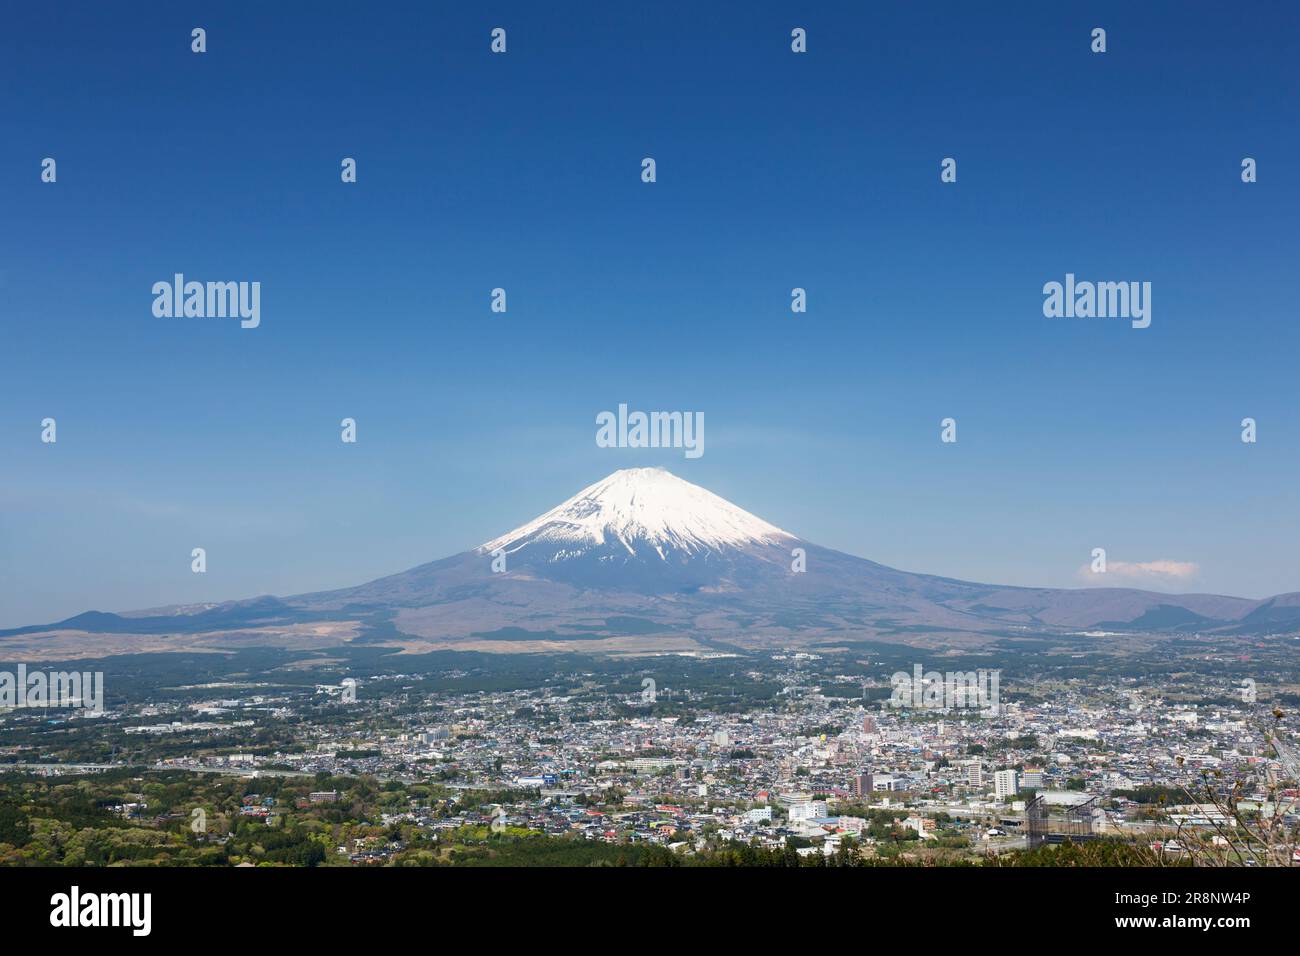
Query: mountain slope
x=644 y=553
x=644 y=545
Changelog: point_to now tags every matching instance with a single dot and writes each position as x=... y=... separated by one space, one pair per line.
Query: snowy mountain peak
x=642 y=509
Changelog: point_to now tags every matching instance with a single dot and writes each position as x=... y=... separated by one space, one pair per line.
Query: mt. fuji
x=643 y=561
x=644 y=530
x=638 y=507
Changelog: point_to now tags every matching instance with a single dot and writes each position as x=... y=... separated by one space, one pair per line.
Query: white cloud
x=1159 y=575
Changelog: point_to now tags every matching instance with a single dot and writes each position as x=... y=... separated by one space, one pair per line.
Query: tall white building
x=1006 y=783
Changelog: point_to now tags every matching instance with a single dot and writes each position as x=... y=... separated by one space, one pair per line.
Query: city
x=789 y=752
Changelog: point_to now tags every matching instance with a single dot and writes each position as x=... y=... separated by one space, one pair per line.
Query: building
x=1006 y=784
x=1066 y=798
x=862 y=785
x=812 y=810
x=1032 y=778
x=924 y=828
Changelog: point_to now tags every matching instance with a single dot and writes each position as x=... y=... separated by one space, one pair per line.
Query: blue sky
x=775 y=170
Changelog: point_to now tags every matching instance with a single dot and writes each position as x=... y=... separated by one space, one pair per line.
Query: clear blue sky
x=775 y=170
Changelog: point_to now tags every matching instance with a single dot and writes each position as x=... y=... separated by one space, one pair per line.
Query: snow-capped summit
x=639 y=510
